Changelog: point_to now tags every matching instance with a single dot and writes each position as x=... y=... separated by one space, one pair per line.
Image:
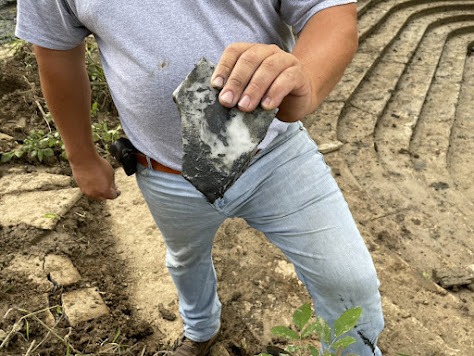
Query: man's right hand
x=66 y=87
x=95 y=178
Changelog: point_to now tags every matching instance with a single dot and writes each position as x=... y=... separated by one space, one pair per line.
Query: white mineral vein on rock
x=239 y=141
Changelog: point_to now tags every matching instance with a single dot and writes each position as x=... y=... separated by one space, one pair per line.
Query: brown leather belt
x=157 y=166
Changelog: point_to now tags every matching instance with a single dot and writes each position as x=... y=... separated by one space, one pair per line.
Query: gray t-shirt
x=148 y=47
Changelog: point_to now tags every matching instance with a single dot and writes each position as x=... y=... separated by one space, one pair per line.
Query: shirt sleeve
x=297 y=12
x=49 y=23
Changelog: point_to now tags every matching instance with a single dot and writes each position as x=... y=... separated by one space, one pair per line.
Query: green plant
x=37 y=145
x=24 y=321
x=104 y=137
x=336 y=344
x=100 y=90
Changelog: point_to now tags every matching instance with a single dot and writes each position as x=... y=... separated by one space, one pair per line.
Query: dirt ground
x=402 y=123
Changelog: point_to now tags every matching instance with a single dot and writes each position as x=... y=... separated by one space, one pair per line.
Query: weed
x=37 y=145
x=104 y=137
x=16 y=328
x=100 y=89
x=301 y=317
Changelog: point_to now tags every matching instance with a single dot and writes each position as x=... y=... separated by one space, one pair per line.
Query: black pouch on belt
x=124 y=152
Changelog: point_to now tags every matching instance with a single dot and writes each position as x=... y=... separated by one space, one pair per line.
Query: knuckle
x=232 y=50
x=274 y=48
x=255 y=87
x=249 y=58
x=289 y=76
x=236 y=81
x=269 y=65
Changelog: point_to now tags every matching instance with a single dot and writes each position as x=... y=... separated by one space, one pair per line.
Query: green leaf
x=6 y=157
x=302 y=315
x=27 y=330
x=323 y=330
x=347 y=321
x=313 y=351
x=40 y=155
x=33 y=153
x=48 y=152
x=18 y=154
x=292 y=348
x=116 y=335
x=344 y=342
x=51 y=216
x=285 y=332
x=311 y=328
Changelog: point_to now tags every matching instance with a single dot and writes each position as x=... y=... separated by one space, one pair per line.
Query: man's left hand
x=252 y=74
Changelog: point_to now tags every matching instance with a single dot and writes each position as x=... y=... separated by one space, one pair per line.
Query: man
x=287 y=192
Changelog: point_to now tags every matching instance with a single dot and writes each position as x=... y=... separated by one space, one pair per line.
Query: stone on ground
x=61 y=270
x=32 y=181
x=32 y=268
x=83 y=305
x=453 y=277
x=40 y=209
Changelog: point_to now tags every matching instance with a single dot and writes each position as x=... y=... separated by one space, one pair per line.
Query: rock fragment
x=38 y=209
x=61 y=270
x=83 y=305
x=453 y=277
x=16 y=183
x=32 y=268
x=330 y=146
x=218 y=143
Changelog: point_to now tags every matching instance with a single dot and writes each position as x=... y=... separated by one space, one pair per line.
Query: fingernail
x=227 y=97
x=218 y=82
x=266 y=102
x=244 y=102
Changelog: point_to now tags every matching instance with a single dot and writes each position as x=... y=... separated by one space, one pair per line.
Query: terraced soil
x=398 y=132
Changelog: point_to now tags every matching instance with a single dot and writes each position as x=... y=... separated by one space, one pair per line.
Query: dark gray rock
x=218 y=143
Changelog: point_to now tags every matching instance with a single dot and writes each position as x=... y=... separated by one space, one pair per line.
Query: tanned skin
x=249 y=74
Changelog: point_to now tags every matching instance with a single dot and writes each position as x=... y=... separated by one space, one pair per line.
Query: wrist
x=82 y=155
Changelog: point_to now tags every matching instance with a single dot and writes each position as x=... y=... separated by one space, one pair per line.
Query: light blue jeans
x=288 y=193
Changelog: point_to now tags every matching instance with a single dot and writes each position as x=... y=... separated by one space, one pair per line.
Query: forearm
x=325 y=47
x=66 y=88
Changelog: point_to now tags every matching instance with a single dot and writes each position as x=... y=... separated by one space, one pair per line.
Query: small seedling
x=345 y=323
x=52 y=216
